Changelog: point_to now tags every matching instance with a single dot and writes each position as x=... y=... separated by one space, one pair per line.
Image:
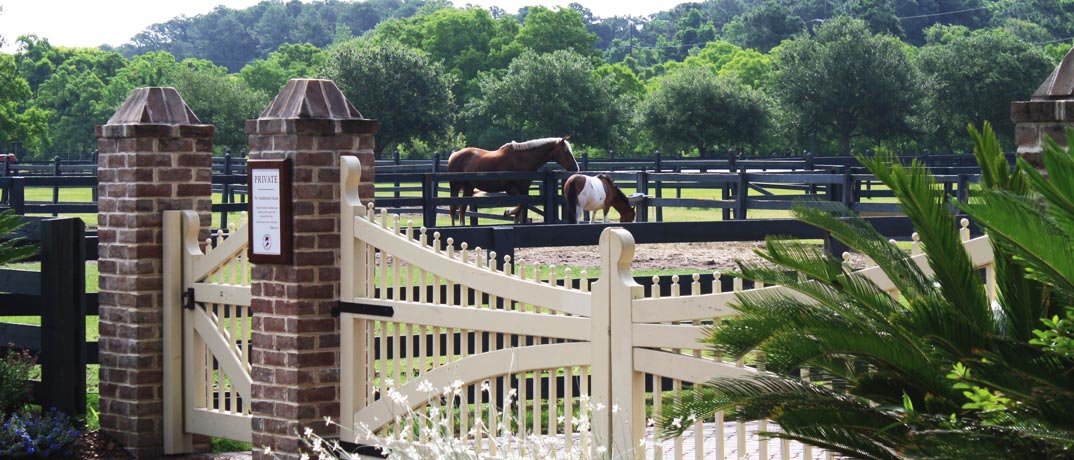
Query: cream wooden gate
x=206 y=333
x=421 y=318
x=425 y=326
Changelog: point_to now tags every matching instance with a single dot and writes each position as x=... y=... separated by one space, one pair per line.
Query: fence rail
x=420 y=186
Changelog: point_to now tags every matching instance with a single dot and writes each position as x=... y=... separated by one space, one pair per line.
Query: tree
x=545 y=31
x=216 y=97
x=763 y=28
x=75 y=96
x=545 y=95
x=219 y=99
x=18 y=120
x=973 y=77
x=847 y=81
x=938 y=371
x=466 y=41
x=269 y=75
x=397 y=85
x=694 y=108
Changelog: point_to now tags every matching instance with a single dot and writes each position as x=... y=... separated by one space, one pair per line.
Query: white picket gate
x=586 y=366
x=206 y=333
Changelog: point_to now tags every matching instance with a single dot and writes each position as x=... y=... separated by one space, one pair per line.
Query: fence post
x=742 y=191
x=63 y=315
x=551 y=210
x=56 y=171
x=436 y=162
x=848 y=188
x=585 y=160
x=643 y=188
x=428 y=200
x=18 y=195
x=615 y=384
x=659 y=188
x=503 y=242
x=963 y=188
x=225 y=192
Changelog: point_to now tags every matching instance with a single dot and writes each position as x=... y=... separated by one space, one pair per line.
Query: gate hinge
x=188 y=299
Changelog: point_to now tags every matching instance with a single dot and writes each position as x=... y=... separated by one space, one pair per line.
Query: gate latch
x=188 y=299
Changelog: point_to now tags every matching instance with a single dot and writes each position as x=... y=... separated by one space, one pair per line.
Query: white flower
x=426 y=387
x=327 y=420
x=267 y=449
x=677 y=422
x=485 y=386
x=304 y=456
x=615 y=408
x=307 y=432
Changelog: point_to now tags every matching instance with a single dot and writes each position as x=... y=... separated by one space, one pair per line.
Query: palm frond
x=13 y=249
x=926 y=206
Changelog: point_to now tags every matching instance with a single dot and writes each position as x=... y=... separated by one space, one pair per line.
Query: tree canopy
x=847 y=81
x=395 y=84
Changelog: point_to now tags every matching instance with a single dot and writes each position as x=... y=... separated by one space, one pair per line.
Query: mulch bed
x=96 y=445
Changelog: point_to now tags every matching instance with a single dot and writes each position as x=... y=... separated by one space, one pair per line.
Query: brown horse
x=595 y=193
x=512 y=156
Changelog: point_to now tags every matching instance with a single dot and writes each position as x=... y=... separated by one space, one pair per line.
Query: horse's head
x=564 y=155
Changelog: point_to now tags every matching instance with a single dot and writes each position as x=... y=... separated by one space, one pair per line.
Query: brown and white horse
x=512 y=156
x=588 y=193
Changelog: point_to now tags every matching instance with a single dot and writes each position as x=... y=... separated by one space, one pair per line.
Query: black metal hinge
x=188 y=299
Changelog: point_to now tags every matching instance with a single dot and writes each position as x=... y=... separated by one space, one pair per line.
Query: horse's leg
x=467 y=192
x=455 y=189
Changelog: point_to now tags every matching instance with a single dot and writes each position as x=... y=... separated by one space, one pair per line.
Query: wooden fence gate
x=443 y=341
x=206 y=333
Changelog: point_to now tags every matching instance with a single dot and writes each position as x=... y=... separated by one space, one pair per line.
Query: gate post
x=294 y=338
x=618 y=412
x=154 y=155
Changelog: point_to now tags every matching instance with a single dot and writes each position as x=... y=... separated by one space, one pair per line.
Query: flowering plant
x=432 y=433
x=15 y=369
x=31 y=434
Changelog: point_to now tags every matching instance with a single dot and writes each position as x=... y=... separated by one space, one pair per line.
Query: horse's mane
x=615 y=188
x=529 y=145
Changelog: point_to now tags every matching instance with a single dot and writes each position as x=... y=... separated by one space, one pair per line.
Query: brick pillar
x=1049 y=113
x=295 y=338
x=155 y=155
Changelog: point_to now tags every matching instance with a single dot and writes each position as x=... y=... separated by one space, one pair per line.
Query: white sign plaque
x=267 y=212
x=270 y=211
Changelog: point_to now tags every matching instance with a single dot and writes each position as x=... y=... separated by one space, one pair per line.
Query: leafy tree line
x=446 y=77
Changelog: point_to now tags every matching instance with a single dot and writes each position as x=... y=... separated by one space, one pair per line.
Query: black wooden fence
x=420 y=186
x=56 y=294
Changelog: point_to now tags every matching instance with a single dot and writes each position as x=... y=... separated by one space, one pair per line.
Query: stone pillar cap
x=311 y=98
x=1060 y=84
x=154 y=105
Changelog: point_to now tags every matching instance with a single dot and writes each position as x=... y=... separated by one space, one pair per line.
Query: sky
x=86 y=23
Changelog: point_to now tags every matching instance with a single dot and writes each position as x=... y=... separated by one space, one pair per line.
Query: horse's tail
x=570 y=193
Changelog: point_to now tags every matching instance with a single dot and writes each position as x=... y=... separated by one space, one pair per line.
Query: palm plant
x=938 y=370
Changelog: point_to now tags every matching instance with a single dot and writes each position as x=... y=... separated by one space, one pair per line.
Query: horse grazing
x=595 y=193
x=512 y=156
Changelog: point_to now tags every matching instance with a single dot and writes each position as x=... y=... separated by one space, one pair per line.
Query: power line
x=943 y=14
x=1054 y=41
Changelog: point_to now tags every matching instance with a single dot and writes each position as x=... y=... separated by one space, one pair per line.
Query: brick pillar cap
x=311 y=98
x=1060 y=84
x=154 y=105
